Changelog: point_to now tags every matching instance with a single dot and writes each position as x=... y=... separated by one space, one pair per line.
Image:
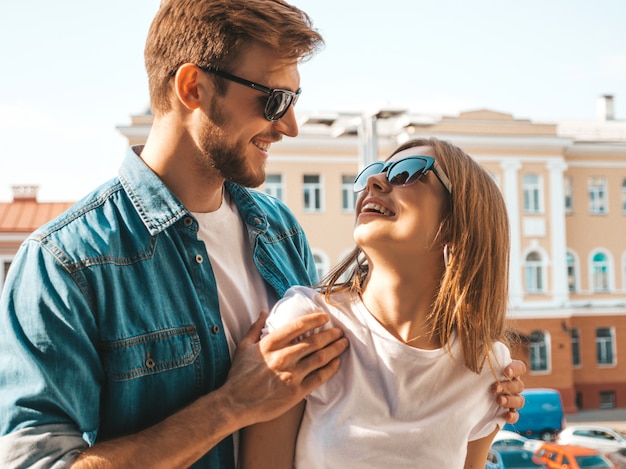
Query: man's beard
x=227 y=159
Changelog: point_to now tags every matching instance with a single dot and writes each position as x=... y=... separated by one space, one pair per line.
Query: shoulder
x=297 y=302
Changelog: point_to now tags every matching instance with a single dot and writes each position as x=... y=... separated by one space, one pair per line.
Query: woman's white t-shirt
x=390 y=405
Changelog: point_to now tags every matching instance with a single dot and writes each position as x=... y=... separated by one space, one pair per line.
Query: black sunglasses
x=278 y=101
x=403 y=172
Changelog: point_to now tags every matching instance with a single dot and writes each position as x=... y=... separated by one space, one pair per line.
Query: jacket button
x=216 y=329
x=199 y=259
x=188 y=221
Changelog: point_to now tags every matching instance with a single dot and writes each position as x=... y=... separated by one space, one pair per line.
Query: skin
x=267 y=377
x=396 y=229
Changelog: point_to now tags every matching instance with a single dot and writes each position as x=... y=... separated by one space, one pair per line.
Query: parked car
x=542 y=416
x=507 y=438
x=556 y=456
x=605 y=440
x=512 y=457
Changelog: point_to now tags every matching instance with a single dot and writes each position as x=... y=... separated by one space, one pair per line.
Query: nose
x=378 y=182
x=288 y=125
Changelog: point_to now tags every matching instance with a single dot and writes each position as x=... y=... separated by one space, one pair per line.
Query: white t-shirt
x=241 y=289
x=390 y=405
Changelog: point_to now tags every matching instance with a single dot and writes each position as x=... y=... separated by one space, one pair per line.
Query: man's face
x=235 y=137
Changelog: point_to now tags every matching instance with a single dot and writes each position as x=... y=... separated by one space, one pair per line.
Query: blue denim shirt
x=109 y=319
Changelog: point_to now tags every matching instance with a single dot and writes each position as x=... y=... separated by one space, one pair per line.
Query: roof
x=25 y=216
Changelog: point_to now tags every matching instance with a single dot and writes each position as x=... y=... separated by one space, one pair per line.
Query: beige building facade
x=565 y=188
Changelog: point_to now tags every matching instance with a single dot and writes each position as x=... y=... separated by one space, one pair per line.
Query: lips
x=372 y=207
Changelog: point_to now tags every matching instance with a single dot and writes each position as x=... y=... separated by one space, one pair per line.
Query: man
x=119 y=319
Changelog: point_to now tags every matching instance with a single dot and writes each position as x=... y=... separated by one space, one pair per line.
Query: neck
x=401 y=300
x=171 y=154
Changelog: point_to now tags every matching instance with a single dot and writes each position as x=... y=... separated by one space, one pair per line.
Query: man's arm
x=267 y=378
x=508 y=392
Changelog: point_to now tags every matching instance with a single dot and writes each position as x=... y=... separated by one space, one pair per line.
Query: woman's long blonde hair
x=472 y=296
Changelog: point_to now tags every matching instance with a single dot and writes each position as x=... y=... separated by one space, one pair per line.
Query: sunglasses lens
x=277 y=104
x=361 y=180
x=406 y=172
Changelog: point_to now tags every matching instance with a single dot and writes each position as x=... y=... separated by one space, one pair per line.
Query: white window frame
x=535 y=273
x=275 y=188
x=322 y=263
x=313 y=191
x=537 y=350
x=600 y=282
x=348 y=196
x=605 y=346
x=532 y=187
x=575 y=266
x=598 y=195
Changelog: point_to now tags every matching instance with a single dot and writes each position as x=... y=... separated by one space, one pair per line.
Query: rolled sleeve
x=42 y=447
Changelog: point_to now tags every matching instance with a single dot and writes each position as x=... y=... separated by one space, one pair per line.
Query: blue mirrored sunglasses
x=403 y=172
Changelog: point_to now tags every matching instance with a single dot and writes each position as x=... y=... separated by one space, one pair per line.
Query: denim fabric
x=109 y=319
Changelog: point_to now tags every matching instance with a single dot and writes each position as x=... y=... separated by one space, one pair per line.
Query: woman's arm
x=477 y=451
x=272 y=444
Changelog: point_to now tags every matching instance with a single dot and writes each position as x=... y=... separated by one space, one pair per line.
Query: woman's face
x=401 y=219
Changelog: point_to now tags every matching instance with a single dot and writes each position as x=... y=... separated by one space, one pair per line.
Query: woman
x=423 y=307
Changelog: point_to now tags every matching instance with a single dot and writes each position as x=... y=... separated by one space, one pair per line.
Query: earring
x=446 y=259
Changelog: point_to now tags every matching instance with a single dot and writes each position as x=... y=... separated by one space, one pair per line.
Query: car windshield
x=521 y=459
x=592 y=462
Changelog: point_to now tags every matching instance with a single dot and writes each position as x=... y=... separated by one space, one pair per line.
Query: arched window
x=539 y=350
x=321 y=264
x=572 y=279
x=534 y=273
x=600 y=272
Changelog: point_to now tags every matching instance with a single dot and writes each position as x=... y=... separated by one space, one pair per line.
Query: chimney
x=25 y=193
x=606 y=108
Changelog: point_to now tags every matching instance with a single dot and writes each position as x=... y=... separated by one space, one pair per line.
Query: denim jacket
x=109 y=319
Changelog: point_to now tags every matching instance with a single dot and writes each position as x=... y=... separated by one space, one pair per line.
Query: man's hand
x=270 y=376
x=508 y=392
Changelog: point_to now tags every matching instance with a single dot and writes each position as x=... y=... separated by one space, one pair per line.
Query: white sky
x=73 y=69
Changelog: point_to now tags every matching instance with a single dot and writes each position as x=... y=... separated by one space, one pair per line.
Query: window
x=597 y=196
x=348 y=196
x=568 y=189
x=274 y=185
x=600 y=272
x=575 y=336
x=531 y=184
x=624 y=196
x=312 y=193
x=571 y=272
x=538 y=351
x=534 y=273
x=5 y=270
x=604 y=346
x=607 y=401
x=321 y=264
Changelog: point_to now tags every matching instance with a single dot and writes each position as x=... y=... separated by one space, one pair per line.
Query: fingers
x=513 y=402
x=515 y=369
x=297 y=328
x=511 y=417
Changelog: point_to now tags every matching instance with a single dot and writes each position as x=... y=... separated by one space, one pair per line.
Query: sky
x=72 y=70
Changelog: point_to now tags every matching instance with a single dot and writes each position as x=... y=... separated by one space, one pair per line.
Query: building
x=565 y=188
x=21 y=217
